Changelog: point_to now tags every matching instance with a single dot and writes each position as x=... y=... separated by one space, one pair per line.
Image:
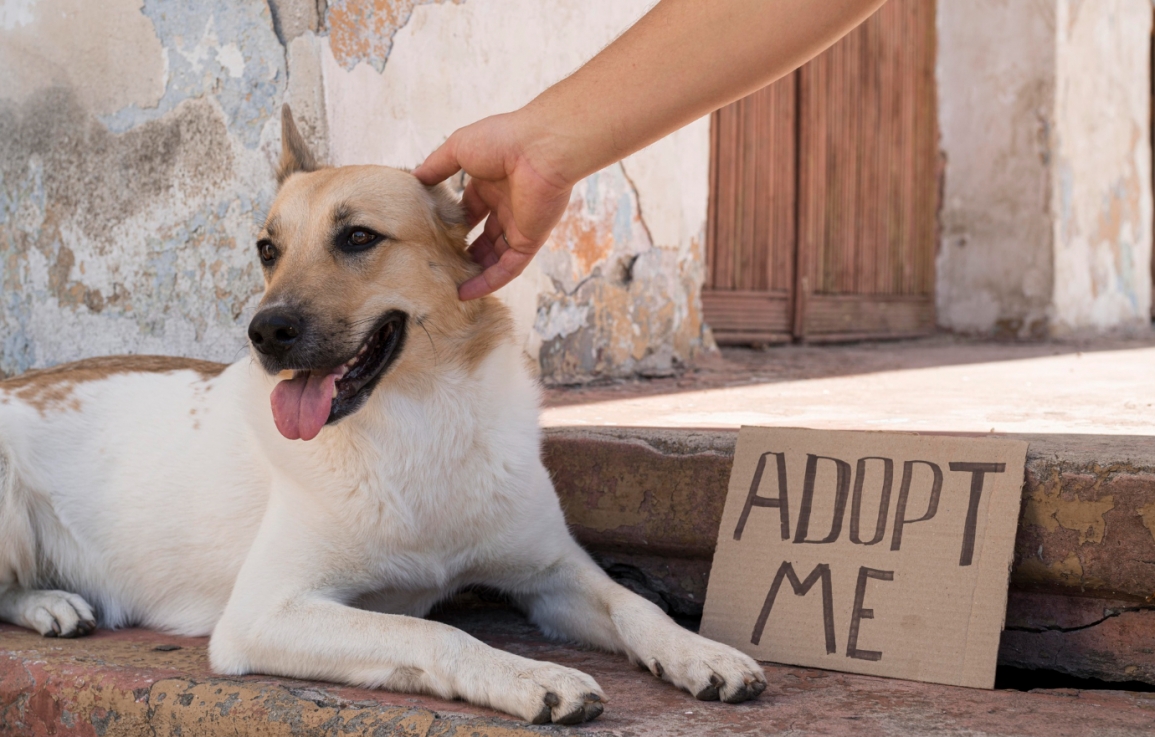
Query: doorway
x=824 y=193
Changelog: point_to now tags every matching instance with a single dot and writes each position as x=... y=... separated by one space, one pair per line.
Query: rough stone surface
x=118 y=684
x=1082 y=636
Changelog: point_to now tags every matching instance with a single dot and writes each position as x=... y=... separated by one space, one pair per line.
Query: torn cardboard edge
x=879 y=553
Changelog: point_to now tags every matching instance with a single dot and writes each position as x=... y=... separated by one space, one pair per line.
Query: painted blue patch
x=193 y=35
x=624 y=219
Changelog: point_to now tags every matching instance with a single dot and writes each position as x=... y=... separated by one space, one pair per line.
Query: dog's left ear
x=449 y=210
x=295 y=153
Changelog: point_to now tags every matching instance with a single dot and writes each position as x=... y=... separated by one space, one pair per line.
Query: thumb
x=439 y=165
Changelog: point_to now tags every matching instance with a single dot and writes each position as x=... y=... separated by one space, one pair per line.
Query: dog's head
x=355 y=259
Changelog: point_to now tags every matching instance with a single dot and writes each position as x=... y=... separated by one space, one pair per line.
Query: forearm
x=682 y=60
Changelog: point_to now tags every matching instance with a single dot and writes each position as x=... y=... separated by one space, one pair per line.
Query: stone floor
x=939 y=384
x=143 y=683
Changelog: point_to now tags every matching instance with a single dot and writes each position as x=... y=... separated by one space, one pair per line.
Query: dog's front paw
x=545 y=693
x=57 y=614
x=709 y=670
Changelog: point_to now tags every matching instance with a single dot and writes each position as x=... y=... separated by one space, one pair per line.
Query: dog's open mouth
x=307 y=402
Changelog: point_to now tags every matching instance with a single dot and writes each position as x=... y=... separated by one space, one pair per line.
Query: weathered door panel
x=752 y=235
x=824 y=193
x=868 y=180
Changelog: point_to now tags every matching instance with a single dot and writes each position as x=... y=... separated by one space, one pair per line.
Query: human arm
x=682 y=60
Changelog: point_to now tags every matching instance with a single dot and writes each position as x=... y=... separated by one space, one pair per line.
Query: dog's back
x=122 y=483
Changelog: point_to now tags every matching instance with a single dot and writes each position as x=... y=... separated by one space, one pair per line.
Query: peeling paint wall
x=616 y=290
x=996 y=62
x=137 y=137
x=135 y=144
x=1046 y=219
x=1102 y=182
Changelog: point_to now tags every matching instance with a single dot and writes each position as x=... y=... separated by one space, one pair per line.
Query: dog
x=164 y=493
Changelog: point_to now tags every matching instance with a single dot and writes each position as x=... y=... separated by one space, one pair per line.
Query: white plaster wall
x=1102 y=161
x=1044 y=112
x=996 y=72
x=453 y=63
x=136 y=143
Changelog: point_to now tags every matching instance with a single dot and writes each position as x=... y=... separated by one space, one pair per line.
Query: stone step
x=136 y=682
x=648 y=502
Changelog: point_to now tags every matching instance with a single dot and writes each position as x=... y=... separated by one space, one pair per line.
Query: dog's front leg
x=575 y=599
x=284 y=618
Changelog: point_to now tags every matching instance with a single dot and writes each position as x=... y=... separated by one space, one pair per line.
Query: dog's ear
x=449 y=210
x=295 y=153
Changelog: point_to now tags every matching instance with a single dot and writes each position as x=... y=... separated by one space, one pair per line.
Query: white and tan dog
x=163 y=493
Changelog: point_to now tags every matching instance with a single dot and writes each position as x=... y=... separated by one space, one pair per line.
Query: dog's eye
x=358 y=239
x=267 y=251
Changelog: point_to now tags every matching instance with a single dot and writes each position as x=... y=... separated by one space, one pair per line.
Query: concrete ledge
x=115 y=684
x=648 y=503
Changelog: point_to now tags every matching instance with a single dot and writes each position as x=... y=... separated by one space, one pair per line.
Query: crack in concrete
x=1110 y=614
x=638 y=200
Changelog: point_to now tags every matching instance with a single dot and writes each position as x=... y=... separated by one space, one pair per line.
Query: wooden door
x=753 y=204
x=823 y=222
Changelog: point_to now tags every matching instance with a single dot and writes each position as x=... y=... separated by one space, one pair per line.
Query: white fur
x=171 y=501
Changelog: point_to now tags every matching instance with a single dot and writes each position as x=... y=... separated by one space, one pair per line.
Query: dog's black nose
x=275 y=331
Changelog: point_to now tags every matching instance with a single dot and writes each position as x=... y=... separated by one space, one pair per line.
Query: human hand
x=512 y=185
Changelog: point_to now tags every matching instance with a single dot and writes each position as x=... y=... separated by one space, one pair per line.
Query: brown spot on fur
x=52 y=387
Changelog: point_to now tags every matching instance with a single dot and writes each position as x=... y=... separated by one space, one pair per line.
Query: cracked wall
x=132 y=175
x=1102 y=181
x=615 y=291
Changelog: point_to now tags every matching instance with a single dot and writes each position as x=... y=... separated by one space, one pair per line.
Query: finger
x=483 y=251
x=441 y=164
x=495 y=277
x=475 y=207
x=487 y=248
x=494 y=228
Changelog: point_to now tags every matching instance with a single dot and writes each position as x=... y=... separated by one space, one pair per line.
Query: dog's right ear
x=295 y=153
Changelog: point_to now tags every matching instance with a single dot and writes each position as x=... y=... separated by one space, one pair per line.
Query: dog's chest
x=437 y=528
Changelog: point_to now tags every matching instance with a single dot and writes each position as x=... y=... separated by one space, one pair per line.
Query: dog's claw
x=749 y=691
x=591 y=709
x=710 y=693
x=542 y=717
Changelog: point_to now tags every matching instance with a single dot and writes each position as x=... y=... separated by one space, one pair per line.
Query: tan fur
x=295 y=153
x=51 y=388
x=419 y=266
x=433 y=484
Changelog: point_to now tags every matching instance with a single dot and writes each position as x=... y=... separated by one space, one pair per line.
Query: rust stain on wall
x=363 y=30
x=589 y=240
x=1046 y=507
x=621 y=305
x=1147 y=514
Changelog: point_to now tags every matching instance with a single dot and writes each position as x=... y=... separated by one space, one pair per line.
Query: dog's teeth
x=334 y=391
x=286 y=375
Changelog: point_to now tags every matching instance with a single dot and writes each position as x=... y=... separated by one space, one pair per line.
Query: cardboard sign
x=878 y=553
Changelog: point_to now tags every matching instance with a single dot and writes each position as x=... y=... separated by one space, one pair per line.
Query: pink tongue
x=301 y=405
